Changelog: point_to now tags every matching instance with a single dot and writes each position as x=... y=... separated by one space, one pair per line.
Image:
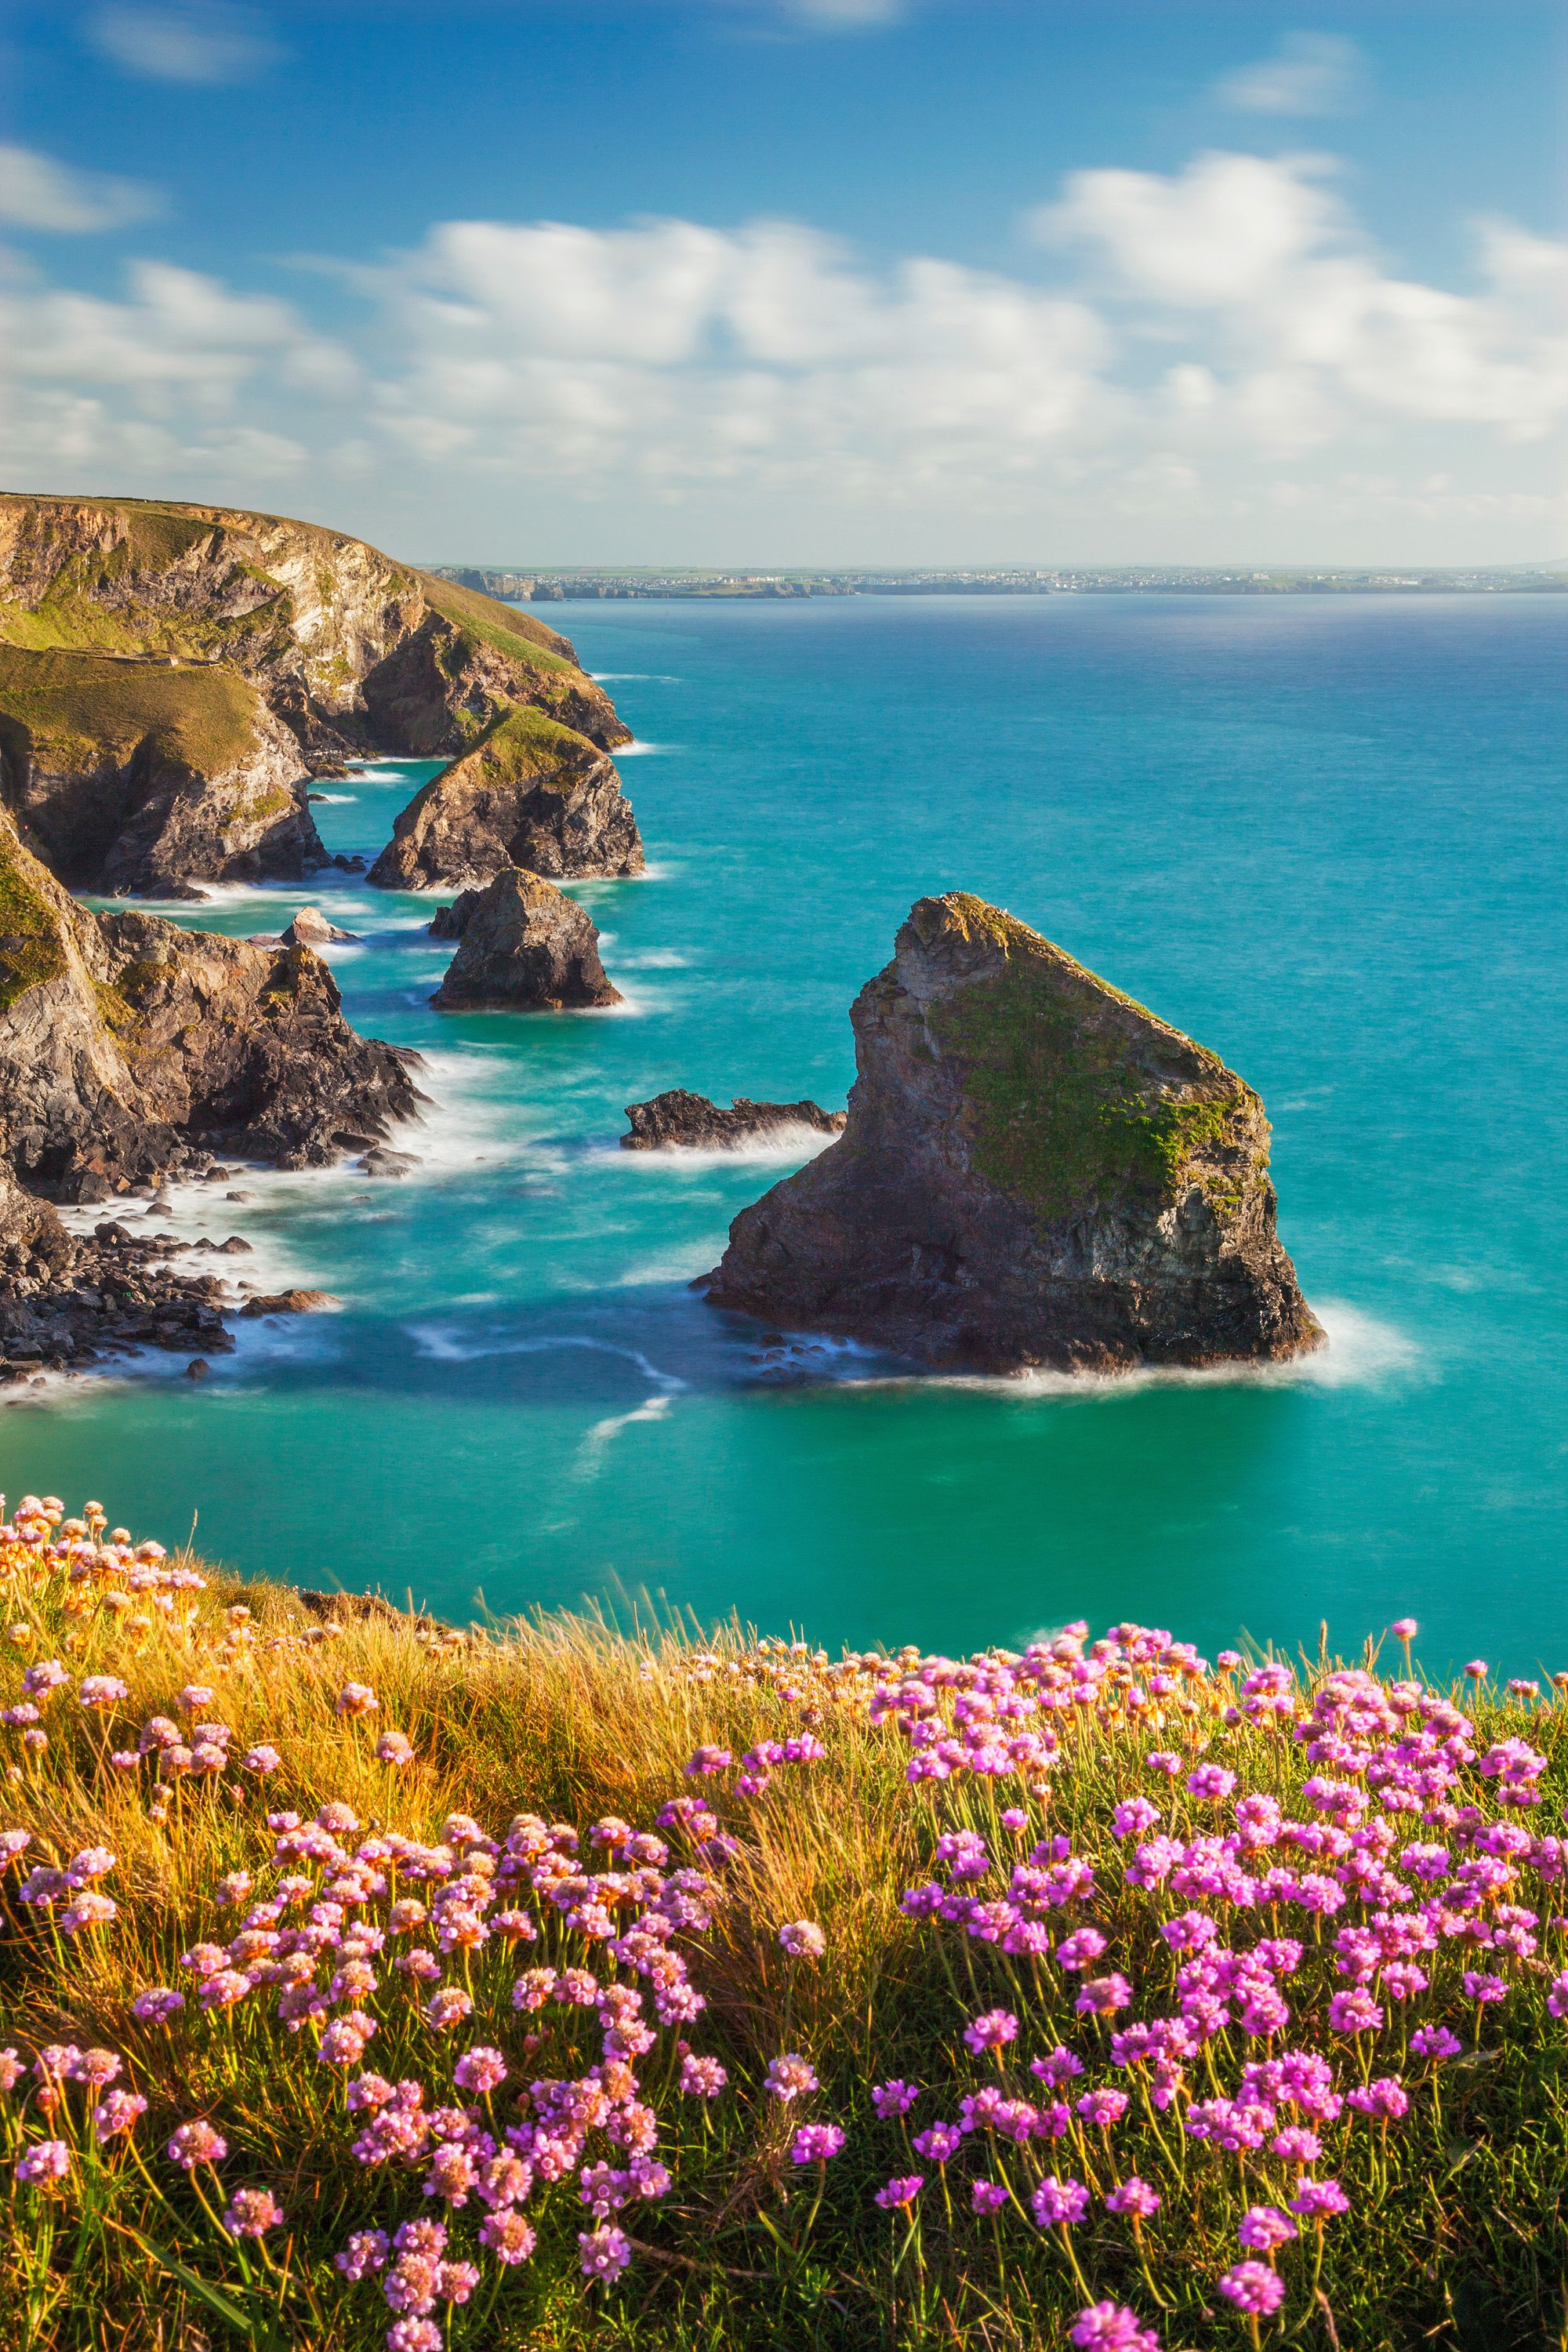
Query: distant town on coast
x=545 y=586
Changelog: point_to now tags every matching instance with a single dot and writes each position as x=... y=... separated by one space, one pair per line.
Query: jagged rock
x=381 y=1161
x=217 y=659
x=289 y=1302
x=1035 y=1171
x=310 y=928
x=447 y=922
x=530 y=793
x=525 y=947
x=690 y=1122
x=150 y=777
x=130 y=1048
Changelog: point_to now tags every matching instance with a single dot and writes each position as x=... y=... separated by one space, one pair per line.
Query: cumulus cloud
x=1310 y=73
x=1197 y=350
x=182 y=40
x=37 y=192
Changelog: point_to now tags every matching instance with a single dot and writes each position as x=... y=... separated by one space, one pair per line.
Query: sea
x=1325 y=835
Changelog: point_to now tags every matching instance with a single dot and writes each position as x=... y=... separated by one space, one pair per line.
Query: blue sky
x=798 y=280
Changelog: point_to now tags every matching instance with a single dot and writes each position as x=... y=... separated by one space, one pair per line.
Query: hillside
x=343 y=651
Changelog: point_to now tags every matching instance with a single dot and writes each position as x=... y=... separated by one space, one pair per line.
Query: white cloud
x=182 y=40
x=1311 y=73
x=37 y=192
x=1216 y=349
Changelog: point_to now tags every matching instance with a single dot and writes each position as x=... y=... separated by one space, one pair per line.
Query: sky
x=799 y=282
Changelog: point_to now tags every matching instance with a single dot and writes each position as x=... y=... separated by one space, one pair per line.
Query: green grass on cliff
x=73 y=711
x=1066 y=1111
x=484 y=621
x=523 y=746
x=30 y=948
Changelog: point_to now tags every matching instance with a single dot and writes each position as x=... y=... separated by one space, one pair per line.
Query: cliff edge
x=1035 y=1172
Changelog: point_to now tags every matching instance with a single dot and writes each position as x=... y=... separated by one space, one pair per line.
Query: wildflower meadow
x=368 y=1983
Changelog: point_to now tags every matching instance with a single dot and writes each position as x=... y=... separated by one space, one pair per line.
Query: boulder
x=525 y=947
x=289 y=1302
x=682 y=1122
x=310 y=928
x=1035 y=1171
x=531 y=793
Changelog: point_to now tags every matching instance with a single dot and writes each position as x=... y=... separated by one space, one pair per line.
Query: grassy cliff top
x=657 y=1889
x=68 y=712
x=1077 y=1095
x=522 y=746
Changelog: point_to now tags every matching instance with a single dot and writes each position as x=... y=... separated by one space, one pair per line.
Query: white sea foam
x=335 y=800
x=633 y=678
x=781 y=1147
x=441 y=1344
x=589 y=1458
x=636 y=751
x=649 y=959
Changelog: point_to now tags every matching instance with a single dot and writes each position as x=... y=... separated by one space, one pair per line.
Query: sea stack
x=682 y=1122
x=525 y=947
x=1036 y=1172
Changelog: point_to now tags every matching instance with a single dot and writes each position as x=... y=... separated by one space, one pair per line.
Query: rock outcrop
x=213 y=658
x=1036 y=1171
x=681 y=1121
x=129 y=1047
x=530 y=793
x=524 y=947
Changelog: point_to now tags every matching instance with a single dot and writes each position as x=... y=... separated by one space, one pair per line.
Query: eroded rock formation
x=682 y=1122
x=531 y=793
x=1036 y=1171
x=524 y=947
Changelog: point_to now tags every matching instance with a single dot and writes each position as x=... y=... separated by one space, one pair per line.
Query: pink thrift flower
x=1134 y=2197
x=992 y=2030
x=1112 y=2328
x=897 y=2195
x=43 y=2163
x=1264 y=2227
x=893 y=2099
x=356 y=1699
x=987 y=2196
x=481 y=2069
x=117 y=2112
x=789 y=2076
x=1059 y=2203
x=197 y=2143
x=251 y=2213
x=815 y=2143
x=702 y=2078
x=802 y=1940
x=1254 y=2288
x=506 y=2235
x=604 y=2252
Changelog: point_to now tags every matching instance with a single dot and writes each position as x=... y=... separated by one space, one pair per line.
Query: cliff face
x=532 y=794
x=129 y=774
x=129 y=1047
x=342 y=650
x=1035 y=1172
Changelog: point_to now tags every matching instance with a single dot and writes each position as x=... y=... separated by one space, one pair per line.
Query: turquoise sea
x=1325 y=835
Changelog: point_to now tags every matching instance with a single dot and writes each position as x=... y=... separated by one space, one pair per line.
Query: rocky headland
x=171 y=675
x=678 y=1120
x=523 y=947
x=531 y=793
x=1035 y=1172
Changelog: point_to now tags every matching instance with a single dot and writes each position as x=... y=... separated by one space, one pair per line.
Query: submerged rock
x=690 y=1122
x=525 y=947
x=531 y=793
x=1036 y=1171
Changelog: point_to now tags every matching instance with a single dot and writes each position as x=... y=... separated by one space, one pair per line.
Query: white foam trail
x=648 y=958
x=633 y=678
x=589 y=1458
x=335 y=800
x=441 y=1347
x=636 y=751
x=781 y=1147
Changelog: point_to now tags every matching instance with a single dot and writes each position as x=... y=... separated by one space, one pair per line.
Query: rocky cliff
x=342 y=651
x=130 y=773
x=1036 y=1171
x=129 y=1047
x=524 y=947
x=531 y=793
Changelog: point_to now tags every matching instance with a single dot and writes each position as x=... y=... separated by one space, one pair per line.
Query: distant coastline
x=544 y=585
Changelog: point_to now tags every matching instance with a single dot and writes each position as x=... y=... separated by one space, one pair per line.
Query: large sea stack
x=172 y=675
x=1036 y=1172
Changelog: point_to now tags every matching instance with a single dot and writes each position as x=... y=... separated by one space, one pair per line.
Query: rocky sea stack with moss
x=171 y=675
x=1036 y=1172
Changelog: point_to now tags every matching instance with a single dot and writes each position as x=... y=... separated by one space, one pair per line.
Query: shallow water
x=1325 y=836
